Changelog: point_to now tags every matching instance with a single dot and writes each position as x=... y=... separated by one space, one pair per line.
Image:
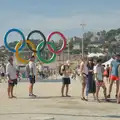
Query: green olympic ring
x=39 y=53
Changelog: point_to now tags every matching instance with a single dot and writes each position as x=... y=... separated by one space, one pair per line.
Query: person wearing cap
x=114 y=75
x=32 y=75
x=66 y=78
x=12 y=78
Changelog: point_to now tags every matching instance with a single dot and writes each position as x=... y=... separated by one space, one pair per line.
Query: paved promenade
x=49 y=105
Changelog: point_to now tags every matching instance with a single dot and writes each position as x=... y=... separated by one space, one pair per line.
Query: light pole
x=82 y=25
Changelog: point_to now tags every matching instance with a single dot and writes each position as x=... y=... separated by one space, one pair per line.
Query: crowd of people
x=90 y=72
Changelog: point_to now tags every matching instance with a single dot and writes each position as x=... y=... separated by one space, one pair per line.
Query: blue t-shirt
x=115 y=64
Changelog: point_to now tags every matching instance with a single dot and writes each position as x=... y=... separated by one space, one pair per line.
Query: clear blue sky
x=62 y=15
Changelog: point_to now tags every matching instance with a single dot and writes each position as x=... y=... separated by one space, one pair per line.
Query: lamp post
x=82 y=25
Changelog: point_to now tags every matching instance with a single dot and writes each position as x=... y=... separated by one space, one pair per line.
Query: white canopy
x=95 y=54
x=108 y=62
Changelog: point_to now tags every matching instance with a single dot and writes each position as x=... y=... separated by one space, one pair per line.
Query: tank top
x=85 y=68
x=115 y=65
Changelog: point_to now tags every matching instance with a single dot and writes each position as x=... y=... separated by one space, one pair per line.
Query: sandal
x=68 y=96
x=32 y=95
x=83 y=98
x=13 y=97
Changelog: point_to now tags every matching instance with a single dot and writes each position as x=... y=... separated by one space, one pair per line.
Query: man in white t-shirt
x=98 y=71
x=32 y=75
x=12 y=78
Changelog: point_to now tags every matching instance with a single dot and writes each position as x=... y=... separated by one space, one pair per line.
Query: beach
x=49 y=105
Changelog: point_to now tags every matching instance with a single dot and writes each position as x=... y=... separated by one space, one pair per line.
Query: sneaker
x=32 y=95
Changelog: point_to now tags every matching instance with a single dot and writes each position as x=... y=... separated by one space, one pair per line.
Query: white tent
x=95 y=54
x=108 y=62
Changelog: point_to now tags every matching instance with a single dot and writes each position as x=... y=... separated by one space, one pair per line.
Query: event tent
x=108 y=62
x=95 y=54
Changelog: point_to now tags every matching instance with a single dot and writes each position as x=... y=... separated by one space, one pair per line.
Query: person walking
x=114 y=75
x=98 y=71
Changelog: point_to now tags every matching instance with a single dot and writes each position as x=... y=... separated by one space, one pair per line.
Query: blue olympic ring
x=22 y=35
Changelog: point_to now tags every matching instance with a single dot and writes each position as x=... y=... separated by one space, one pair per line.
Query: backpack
x=60 y=71
x=27 y=68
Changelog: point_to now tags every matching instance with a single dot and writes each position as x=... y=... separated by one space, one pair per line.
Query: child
x=98 y=71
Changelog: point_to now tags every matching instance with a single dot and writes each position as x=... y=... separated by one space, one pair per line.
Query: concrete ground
x=49 y=105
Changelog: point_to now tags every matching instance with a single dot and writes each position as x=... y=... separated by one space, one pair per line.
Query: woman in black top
x=91 y=87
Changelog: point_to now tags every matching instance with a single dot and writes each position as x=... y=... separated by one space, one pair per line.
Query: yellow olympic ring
x=17 y=53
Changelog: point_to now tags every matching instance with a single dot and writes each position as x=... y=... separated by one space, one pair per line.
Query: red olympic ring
x=64 y=42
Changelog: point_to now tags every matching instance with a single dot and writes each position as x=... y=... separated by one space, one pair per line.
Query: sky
x=59 y=15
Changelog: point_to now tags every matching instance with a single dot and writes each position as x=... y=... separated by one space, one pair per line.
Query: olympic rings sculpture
x=37 y=50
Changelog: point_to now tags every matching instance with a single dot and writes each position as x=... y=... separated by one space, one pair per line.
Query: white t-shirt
x=11 y=71
x=32 y=66
x=99 y=70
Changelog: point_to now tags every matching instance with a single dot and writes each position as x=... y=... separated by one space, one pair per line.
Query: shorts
x=12 y=82
x=2 y=74
x=113 y=77
x=100 y=84
x=32 y=79
x=66 y=81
